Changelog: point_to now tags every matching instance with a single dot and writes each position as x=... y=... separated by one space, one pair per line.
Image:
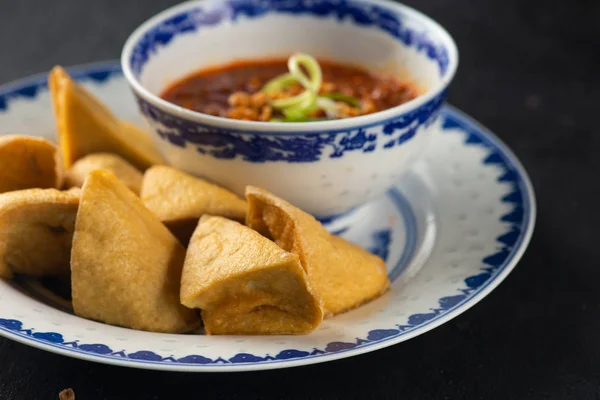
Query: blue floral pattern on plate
x=517 y=220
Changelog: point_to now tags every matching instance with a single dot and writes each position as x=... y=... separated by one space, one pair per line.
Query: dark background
x=529 y=71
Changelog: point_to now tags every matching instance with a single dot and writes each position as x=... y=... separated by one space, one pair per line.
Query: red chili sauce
x=234 y=90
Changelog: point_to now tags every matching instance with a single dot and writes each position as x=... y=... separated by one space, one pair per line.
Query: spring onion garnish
x=279 y=83
x=292 y=101
x=328 y=105
x=305 y=71
x=353 y=101
x=314 y=79
x=302 y=109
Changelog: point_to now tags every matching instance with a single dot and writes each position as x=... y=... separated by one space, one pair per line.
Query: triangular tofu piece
x=180 y=199
x=28 y=162
x=87 y=126
x=245 y=284
x=343 y=274
x=127 y=173
x=125 y=265
x=36 y=230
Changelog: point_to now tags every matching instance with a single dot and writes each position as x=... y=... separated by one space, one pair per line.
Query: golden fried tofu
x=126 y=172
x=179 y=200
x=28 y=162
x=87 y=126
x=343 y=274
x=125 y=264
x=36 y=229
x=245 y=284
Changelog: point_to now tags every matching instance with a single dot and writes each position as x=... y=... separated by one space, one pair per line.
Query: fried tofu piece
x=28 y=162
x=125 y=264
x=87 y=126
x=245 y=284
x=36 y=230
x=343 y=274
x=125 y=172
x=180 y=199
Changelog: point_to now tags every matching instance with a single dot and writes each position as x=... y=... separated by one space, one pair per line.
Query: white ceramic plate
x=450 y=232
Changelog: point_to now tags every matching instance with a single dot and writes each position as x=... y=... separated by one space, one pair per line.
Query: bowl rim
x=291 y=127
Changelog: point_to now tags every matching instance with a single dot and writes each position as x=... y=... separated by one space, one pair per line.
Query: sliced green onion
x=291 y=101
x=353 y=101
x=303 y=109
x=315 y=75
x=278 y=84
x=329 y=106
x=299 y=107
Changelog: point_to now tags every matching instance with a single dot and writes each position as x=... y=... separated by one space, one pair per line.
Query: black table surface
x=529 y=71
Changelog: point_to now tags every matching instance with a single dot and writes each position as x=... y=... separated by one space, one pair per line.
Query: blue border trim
x=518 y=219
x=294 y=147
x=30 y=87
x=421 y=114
x=363 y=14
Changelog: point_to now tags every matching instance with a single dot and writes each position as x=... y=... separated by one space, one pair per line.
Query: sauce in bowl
x=243 y=90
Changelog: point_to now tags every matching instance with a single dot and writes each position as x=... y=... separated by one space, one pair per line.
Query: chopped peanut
x=258 y=99
x=343 y=108
x=368 y=106
x=278 y=95
x=379 y=92
x=346 y=110
x=243 y=113
x=239 y=99
x=328 y=87
x=266 y=113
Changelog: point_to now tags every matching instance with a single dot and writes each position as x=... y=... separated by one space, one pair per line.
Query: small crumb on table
x=67 y=394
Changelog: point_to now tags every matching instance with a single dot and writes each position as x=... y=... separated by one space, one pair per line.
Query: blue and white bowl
x=324 y=167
